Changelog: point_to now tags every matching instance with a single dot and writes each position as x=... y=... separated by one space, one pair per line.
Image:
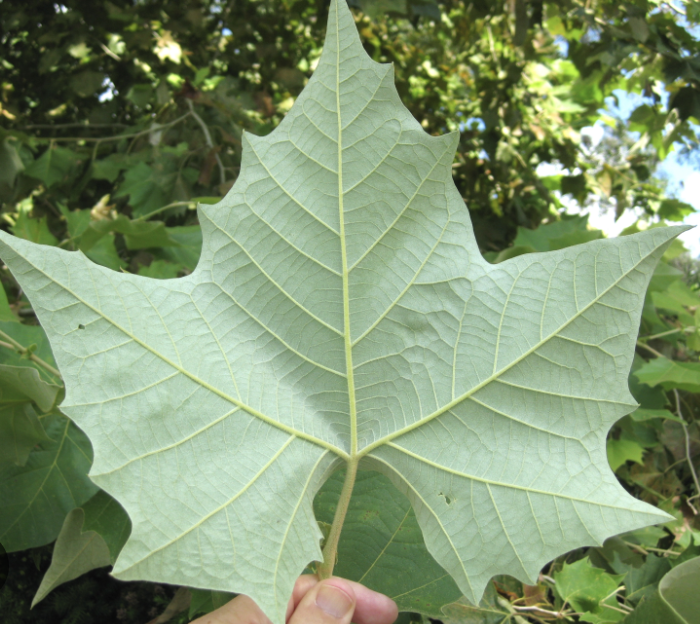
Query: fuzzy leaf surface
x=341 y=311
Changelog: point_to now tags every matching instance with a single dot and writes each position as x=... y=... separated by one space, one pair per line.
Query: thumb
x=329 y=602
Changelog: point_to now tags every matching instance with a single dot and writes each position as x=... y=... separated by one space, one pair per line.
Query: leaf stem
x=650 y=349
x=688 y=456
x=645 y=550
x=330 y=550
x=207 y=138
x=164 y=208
x=16 y=346
x=670 y=332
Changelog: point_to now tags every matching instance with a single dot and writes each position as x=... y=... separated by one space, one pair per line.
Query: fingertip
x=343 y=584
x=302 y=587
x=240 y=609
x=373 y=607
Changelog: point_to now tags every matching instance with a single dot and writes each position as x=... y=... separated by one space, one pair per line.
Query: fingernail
x=333 y=601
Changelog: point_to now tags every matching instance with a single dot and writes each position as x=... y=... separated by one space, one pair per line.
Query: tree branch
x=207 y=138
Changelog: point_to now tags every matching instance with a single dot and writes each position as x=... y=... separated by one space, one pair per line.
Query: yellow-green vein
x=291 y=520
x=522 y=488
x=389 y=542
x=349 y=370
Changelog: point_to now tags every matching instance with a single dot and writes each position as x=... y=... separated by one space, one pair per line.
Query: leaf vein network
x=203 y=519
x=274 y=283
x=292 y=517
x=407 y=287
x=287 y=193
x=277 y=336
x=399 y=214
x=532 y=350
x=438 y=520
x=493 y=482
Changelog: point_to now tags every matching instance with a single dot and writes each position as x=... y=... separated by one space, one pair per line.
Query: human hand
x=333 y=601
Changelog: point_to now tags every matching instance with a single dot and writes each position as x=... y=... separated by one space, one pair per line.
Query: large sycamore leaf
x=341 y=312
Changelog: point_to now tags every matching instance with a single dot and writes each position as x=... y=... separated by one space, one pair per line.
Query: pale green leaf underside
x=341 y=309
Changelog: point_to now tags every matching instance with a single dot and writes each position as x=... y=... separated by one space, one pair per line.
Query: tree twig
x=207 y=138
x=661 y=335
x=650 y=349
x=688 y=458
x=16 y=346
x=648 y=549
x=164 y=208
x=117 y=137
x=80 y=124
x=675 y=9
x=109 y=52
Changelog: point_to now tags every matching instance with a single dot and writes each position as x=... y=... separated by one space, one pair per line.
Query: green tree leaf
x=76 y=552
x=104 y=252
x=10 y=164
x=621 y=451
x=107 y=517
x=557 y=235
x=141 y=185
x=38 y=496
x=56 y=164
x=664 y=372
x=589 y=590
x=6 y=314
x=20 y=429
x=137 y=234
x=36 y=230
x=492 y=609
x=91 y=537
x=341 y=313
x=189 y=246
x=676 y=601
x=22 y=383
x=161 y=269
x=205 y=601
x=642 y=581
x=20 y=432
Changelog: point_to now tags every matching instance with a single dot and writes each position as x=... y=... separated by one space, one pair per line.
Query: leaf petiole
x=330 y=550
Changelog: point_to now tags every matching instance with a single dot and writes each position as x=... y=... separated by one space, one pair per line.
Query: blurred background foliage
x=118 y=116
x=134 y=106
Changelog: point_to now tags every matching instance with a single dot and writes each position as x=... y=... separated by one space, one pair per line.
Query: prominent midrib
x=343 y=250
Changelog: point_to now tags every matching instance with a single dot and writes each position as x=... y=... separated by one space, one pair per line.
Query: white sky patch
x=684 y=184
